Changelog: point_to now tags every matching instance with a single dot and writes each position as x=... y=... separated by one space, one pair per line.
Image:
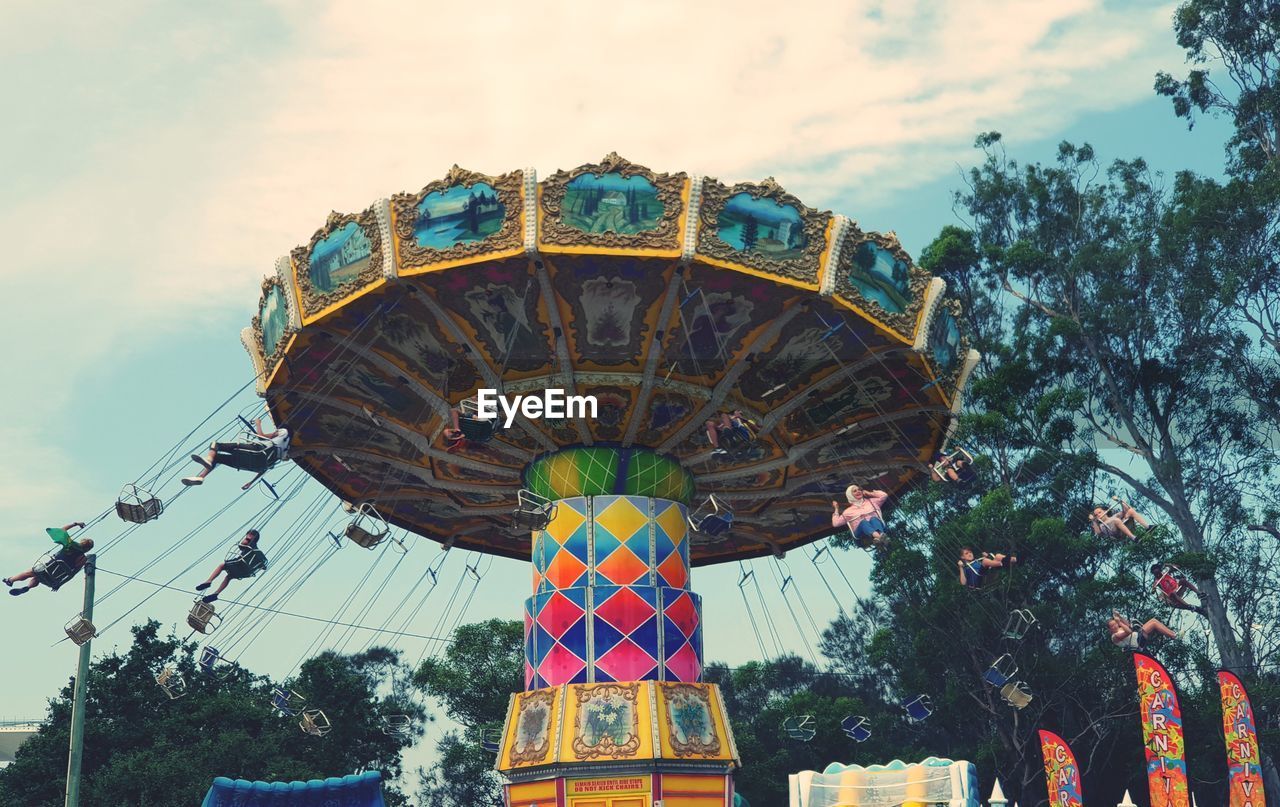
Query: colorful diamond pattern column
x=624 y=638
x=681 y=635
x=612 y=599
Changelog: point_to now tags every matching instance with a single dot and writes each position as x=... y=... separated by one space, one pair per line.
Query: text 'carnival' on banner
x=1244 y=757
x=1061 y=772
x=1161 y=734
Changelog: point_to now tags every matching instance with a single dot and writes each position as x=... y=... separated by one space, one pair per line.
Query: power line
x=283 y=613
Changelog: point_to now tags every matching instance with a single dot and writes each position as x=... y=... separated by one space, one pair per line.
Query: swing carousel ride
x=672 y=299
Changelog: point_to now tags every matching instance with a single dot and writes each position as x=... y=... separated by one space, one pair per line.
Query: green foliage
x=481 y=667
x=142 y=748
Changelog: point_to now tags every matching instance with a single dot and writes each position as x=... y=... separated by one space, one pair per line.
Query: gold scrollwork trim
x=270 y=361
x=694 y=747
x=666 y=235
x=606 y=747
x=312 y=299
x=524 y=700
x=715 y=195
x=917 y=279
x=509 y=235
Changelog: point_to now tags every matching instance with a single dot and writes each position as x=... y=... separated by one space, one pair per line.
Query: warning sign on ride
x=617 y=784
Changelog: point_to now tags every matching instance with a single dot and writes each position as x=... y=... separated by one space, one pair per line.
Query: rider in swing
x=257 y=457
x=863 y=516
x=73 y=553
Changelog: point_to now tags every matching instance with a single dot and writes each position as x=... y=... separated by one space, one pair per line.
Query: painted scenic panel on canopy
x=459 y=214
x=881 y=276
x=499 y=304
x=944 y=342
x=610 y=306
x=751 y=224
x=339 y=258
x=598 y=203
x=273 y=315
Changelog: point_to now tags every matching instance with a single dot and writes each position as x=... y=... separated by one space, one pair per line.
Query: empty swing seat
x=800 y=727
x=1019 y=622
x=918 y=709
x=491 y=740
x=367 y=528
x=533 y=512
x=711 y=517
x=202 y=618
x=1001 y=671
x=856 y=728
x=80 y=630
x=172 y=682
x=397 y=725
x=212 y=662
x=137 y=505
x=315 y=723
x=286 y=702
x=1016 y=694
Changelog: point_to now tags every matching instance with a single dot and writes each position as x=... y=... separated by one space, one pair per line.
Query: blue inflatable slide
x=358 y=790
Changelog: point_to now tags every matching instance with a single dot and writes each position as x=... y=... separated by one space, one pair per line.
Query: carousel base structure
x=932 y=781
x=630 y=744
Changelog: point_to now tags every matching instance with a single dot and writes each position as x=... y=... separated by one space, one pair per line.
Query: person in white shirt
x=257 y=456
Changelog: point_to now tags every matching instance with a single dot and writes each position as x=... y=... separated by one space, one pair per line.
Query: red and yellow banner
x=1161 y=734
x=1060 y=771
x=1244 y=758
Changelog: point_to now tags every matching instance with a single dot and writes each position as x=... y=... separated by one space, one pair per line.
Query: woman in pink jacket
x=863 y=516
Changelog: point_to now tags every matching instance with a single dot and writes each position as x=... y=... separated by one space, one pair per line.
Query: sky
x=159 y=157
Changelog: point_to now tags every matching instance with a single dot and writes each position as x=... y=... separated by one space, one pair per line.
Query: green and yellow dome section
x=602 y=470
x=669 y=297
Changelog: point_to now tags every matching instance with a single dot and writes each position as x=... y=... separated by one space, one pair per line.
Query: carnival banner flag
x=1161 y=734
x=1060 y=771
x=1244 y=758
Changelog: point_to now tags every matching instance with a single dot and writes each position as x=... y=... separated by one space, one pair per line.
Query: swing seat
x=212 y=662
x=712 y=517
x=172 y=682
x=855 y=728
x=491 y=740
x=473 y=427
x=253 y=455
x=918 y=709
x=80 y=630
x=737 y=441
x=202 y=618
x=53 y=571
x=800 y=727
x=286 y=702
x=397 y=725
x=1001 y=671
x=137 y=505
x=533 y=512
x=240 y=567
x=1019 y=622
x=1016 y=694
x=367 y=528
x=315 y=723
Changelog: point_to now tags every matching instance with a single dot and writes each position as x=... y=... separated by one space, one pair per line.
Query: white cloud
x=189 y=197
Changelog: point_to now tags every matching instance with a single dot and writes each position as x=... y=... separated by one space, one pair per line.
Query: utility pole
x=82 y=681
